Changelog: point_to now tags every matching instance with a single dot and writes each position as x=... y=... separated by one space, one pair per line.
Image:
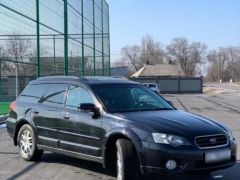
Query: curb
x=233 y=84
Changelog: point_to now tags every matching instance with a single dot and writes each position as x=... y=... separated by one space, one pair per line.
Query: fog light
x=171 y=165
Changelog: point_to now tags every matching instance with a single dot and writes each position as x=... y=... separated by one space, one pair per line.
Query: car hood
x=174 y=122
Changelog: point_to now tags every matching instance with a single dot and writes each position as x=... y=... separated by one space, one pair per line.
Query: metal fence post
x=54 y=53
x=83 y=60
x=94 y=41
x=179 y=85
x=102 y=39
x=65 y=38
x=38 y=41
x=109 y=45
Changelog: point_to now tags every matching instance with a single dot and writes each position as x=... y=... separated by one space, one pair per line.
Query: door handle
x=35 y=113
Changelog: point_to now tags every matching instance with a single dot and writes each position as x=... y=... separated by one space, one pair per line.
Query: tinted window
x=28 y=99
x=127 y=98
x=77 y=96
x=32 y=93
x=55 y=95
x=35 y=90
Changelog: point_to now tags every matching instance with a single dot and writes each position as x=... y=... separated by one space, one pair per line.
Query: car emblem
x=213 y=140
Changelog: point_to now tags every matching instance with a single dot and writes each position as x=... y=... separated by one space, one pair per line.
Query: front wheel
x=127 y=163
x=26 y=142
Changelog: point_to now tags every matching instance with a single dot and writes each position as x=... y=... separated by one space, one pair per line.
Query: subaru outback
x=117 y=123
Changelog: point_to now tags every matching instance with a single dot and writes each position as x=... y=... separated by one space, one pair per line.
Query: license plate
x=217 y=156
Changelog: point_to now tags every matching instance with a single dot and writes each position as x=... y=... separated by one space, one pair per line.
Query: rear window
x=33 y=93
x=35 y=90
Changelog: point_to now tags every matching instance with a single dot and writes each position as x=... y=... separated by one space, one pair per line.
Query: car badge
x=213 y=140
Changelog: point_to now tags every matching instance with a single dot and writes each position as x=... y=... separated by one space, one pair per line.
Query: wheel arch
x=109 y=145
x=20 y=123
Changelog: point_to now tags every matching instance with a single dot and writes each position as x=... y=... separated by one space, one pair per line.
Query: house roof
x=159 y=70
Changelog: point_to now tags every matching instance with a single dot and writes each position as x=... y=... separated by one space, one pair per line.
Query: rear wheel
x=127 y=163
x=27 y=144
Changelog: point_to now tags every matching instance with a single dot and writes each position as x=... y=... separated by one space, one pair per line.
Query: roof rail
x=58 y=77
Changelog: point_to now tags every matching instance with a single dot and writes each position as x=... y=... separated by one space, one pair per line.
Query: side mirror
x=170 y=102
x=90 y=108
x=87 y=107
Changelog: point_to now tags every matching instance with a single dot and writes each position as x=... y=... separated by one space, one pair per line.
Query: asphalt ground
x=223 y=107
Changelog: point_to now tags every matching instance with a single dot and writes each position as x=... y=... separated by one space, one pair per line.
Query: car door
x=80 y=132
x=46 y=115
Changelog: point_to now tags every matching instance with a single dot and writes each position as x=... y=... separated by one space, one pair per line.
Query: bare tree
x=233 y=54
x=20 y=50
x=151 y=52
x=224 y=64
x=189 y=56
x=197 y=53
x=132 y=54
x=3 y=55
x=214 y=66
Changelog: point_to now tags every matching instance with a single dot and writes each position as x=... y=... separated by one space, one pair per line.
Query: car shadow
x=82 y=164
x=9 y=153
x=227 y=174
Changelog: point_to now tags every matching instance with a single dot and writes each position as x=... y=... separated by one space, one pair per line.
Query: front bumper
x=154 y=157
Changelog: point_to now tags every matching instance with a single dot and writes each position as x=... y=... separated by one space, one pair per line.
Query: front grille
x=211 y=141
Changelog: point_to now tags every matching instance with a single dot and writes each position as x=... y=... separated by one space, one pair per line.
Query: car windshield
x=129 y=98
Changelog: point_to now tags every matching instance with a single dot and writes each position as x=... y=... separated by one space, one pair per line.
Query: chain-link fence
x=51 y=37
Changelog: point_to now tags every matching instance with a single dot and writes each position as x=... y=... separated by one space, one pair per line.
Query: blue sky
x=213 y=22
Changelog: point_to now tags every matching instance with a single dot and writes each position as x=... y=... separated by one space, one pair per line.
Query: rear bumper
x=188 y=159
x=10 y=126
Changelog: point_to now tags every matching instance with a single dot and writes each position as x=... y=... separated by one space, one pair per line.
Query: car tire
x=127 y=163
x=26 y=142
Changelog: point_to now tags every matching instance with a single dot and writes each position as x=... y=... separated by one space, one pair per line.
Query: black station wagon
x=118 y=123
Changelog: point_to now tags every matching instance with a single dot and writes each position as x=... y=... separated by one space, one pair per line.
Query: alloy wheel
x=26 y=143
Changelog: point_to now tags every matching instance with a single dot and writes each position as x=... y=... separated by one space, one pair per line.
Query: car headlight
x=169 y=139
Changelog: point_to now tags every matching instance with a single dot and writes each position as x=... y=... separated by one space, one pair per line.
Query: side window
x=77 y=96
x=33 y=93
x=55 y=95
